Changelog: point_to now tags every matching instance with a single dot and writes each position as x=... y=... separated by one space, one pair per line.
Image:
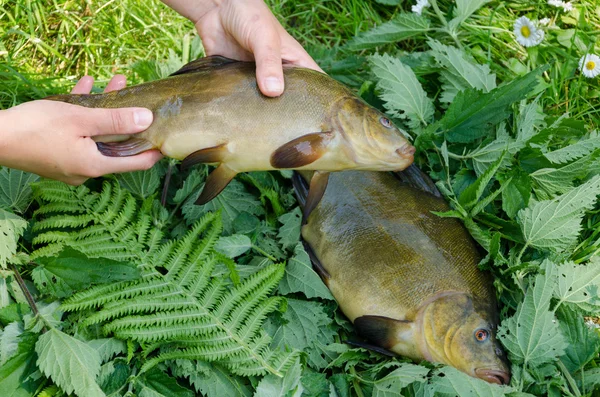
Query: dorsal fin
x=204 y=63
x=416 y=178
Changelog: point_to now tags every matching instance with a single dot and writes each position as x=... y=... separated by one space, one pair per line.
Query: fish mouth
x=493 y=376
x=407 y=151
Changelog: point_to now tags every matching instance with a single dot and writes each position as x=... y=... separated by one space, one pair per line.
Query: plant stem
x=569 y=378
x=438 y=13
x=26 y=292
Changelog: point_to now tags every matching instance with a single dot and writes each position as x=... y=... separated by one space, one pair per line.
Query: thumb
x=267 y=53
x=119 y=121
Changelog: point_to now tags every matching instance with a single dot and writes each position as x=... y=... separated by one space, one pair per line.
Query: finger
x=116 y=83
x=266 y=48
x=292 y=51
x=116 y=121
x=83 y=86
x=111 y=165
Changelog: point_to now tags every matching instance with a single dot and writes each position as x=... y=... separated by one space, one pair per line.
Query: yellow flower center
x=525 y=31
x=590 y=65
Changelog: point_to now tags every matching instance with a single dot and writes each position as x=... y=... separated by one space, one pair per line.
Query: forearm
x=192 y=9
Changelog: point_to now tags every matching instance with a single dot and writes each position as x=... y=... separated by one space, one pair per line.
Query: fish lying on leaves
x=405 y=277
x=211 y=111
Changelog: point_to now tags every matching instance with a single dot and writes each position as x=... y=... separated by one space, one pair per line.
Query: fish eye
x=385 y=122
x=482 y=335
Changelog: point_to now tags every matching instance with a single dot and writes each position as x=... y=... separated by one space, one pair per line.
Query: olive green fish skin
x=387 y=255
x=221 y=105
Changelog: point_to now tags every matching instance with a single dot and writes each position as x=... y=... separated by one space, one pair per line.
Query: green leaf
x=532 y=336
x=517 y=193
x=232 y=201
x=578 y=285
x=300 y=277
x=530 y=120
x=472 y=194
x=395 y=381
x=402 y=27
x=233 y=246
x=555 y=224
x=155 y=383
x=550 y=181
x=213 y=380
x=583 y=342
x=464 y=9
x=11 y=228
x=473 y=113
x=451 y=382
x=69 y=362
x=15 y=374
x=107 y=348
x=307 y=328
x=190 y=185
x=403 y=95
x=459 y=71
x=9 y=341
x=141 y=183
x=71 y=271
x=484 y=156
x=574 y=151
x=289 y=232
x=287 y=386
x=15 y=189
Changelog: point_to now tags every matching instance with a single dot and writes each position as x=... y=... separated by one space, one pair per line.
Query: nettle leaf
x=191 y=185
x=395 y=381
x=300 y=277
x=286 y=386
x=550 y=181
x=71 y=271
x=578 y=285
x=141 y=183
x=574 y=151
x=307 y=329
x=473 y=113
x=532 y=336
x=448 y=381
x=402 y=27
x=555 y=224
x=403 y=94
x=107 y=348
x=15 y=189
x=9 y=341
x=16 y=378
x=212 y=380
x=233 y=246
x=464 y=9
x=232 y=201
x=517 y=193
x=484 y=156
x=459 y=71
x=289 y=232
x=583 y=342
x=11 y=228
x=471 y=196
x=69 y=362
x=530 y=120
x=155 y=383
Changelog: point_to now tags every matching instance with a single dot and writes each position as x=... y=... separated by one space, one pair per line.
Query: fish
x=406 y=278
x=211 y=111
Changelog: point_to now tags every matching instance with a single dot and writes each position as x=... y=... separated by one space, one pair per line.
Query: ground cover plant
x=104 y=290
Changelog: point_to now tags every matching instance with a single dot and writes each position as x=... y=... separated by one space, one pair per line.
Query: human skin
x=53 y=139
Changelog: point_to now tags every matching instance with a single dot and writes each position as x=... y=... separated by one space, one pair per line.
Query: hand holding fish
x=53 y=139
x=247 y=31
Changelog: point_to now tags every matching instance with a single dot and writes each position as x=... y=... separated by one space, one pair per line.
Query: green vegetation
x=137 y=298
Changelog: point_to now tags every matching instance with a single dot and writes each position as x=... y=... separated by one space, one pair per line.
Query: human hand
x=53 y=139
x=246 y=30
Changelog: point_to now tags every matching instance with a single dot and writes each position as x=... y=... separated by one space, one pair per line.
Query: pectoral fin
x=382 y=331
x=369 y=346
x=215 y=183
x=130 y=147
x=301 y=151
x=318 y=184
x=213 y=154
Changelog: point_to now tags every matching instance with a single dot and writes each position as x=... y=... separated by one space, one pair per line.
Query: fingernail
x=273 y=85
x=142 y=118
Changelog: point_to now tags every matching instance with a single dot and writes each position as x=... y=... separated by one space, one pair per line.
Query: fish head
x=376 y=143
x=462 y=334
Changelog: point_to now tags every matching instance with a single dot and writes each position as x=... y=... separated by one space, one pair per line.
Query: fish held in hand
x=211 y=111
x=405 y=277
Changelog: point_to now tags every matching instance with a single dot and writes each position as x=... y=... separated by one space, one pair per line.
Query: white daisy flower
x=544 y=21
x=567 y=6
x=555 y=3
x=418 y=8
x=526 y=32
x=589 y=65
